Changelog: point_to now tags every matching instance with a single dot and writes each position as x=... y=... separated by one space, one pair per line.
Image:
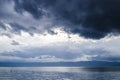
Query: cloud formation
x=89 y=18
x=61 y=29
x=58 y=48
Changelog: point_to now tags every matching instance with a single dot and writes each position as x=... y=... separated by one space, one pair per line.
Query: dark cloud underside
x=88 y=18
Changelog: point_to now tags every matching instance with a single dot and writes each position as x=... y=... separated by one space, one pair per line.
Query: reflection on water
x=59 y=73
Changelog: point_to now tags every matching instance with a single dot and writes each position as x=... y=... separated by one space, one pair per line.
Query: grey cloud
x=15 y=43
x=89 y=18
x=21 y=22
x=106 y=58
x=2 y=26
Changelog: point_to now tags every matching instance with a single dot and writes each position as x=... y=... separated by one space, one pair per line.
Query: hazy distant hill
x=65 y=64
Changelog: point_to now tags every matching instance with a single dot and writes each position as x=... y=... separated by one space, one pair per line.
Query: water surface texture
x=58 y=73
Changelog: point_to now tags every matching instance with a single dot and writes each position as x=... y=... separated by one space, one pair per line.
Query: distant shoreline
x=61 y=64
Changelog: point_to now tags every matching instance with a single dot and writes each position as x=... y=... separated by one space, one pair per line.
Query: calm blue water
x=58 y=73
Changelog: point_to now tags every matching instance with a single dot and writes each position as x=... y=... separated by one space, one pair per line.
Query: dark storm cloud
x=88 y=18
x=30 y=6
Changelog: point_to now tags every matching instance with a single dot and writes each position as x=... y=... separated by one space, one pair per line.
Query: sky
x=59 y=30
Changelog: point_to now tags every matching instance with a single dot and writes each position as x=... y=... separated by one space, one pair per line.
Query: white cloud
x=59 y=47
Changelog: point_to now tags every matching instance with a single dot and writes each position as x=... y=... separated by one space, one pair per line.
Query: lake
x=59 y=73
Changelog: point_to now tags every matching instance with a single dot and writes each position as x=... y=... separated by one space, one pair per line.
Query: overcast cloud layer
x=59 y=30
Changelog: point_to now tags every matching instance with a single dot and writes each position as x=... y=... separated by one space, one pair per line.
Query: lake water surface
x=59 y=73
